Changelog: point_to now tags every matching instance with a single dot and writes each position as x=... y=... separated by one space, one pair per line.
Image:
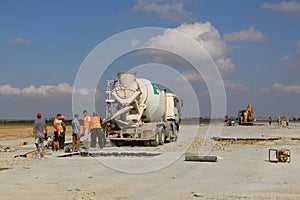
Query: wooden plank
x=25 y=154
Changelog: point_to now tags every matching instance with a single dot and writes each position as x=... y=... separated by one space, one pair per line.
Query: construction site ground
x=242 y=170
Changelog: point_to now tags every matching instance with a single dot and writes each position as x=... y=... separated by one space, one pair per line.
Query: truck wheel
x=120 y=143
x=156 y=141
x=162 y=137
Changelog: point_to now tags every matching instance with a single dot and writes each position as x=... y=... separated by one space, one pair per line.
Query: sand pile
x=198 y=145
x=283 y=142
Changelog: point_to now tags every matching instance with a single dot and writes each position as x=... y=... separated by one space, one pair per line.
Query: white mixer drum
x=153 y=98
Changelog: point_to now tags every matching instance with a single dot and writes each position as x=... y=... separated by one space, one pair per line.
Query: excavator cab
x=246 y=116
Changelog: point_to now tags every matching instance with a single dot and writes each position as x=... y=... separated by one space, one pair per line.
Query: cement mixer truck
x=138 y=110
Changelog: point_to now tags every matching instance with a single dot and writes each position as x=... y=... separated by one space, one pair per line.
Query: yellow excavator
x=246 y=116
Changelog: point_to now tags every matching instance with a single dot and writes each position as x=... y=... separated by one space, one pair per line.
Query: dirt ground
x=11 y=132
x=242 y=170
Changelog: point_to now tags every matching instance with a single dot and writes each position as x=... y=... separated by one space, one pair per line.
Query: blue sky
x=256 y=45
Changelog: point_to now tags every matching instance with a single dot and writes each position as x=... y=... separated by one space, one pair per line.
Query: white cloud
x=85 y=91
x=225 y=64
x=295 y=89
x=134 y=43
x=20 y=41
x=285 y=7
x=235 y=86
x=9 y=90
x=264 y=89
x=245 y=35
x=63 y=88
x=172 y=10
x=204 y=33
x=189 y=76
x=44 y=90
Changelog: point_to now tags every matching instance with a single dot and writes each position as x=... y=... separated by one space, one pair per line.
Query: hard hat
x=38 y=115
x=94 y=114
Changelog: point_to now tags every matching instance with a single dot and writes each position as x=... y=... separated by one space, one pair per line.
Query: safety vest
x=57 y=125
x=61 y=124
x=96 y=122
x=86 y=122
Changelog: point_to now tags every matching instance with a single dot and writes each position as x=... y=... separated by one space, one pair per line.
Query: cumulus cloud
x=20 y=41
x=9 y=90
x=204 y=33
x=294 y=89
x=43 y=90
x=285 y=7
x=171 y=10
x=245 y=35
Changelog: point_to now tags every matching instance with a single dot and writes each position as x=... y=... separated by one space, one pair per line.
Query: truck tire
x=120 y=143
x=155 y=142
x=162 y=136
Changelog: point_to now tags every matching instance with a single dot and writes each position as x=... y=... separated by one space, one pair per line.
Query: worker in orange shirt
x=287 y=120
x=96 y=132
x=86 y=129
x=57 y=131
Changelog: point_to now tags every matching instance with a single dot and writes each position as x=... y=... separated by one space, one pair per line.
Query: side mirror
x=181 y=104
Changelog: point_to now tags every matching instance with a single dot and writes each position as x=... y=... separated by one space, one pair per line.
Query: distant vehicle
x=137 y=110
x=246 y=116
x=229 y=121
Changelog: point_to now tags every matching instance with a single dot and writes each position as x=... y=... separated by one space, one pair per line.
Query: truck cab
x=173 y=108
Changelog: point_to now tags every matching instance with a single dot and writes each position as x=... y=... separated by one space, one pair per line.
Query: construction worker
x=76 y=133
x=287 y=120
x=86 y=129
x=279 y=121
x=96 y=132
x=38 y=132
x=62 y=133
x=57 y=131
